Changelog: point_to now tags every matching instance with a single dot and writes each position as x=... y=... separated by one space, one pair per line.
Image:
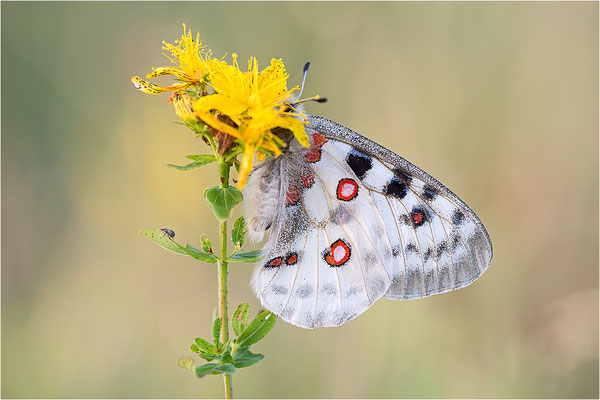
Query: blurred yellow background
x=499 y=101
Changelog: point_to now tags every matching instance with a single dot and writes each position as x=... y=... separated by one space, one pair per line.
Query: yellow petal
x=272 y=147
x=189 y=54
x=229 y=80
x=161 y=71
x=246 y=165
x=224 y=104
x=217 y=124
x=183 y=107
x=298 y=129
x=272 y=83
x=151 y=88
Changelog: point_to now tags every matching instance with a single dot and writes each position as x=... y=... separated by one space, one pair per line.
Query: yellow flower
x=192 y=63
x=257 y=103
x=183 y=106
x=245 y=106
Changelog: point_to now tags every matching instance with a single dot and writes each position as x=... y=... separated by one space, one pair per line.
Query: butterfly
x=350 y=222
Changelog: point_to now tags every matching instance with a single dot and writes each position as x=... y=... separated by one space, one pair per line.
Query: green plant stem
x=222 y=276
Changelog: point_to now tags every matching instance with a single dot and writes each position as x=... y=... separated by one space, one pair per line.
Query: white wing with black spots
x=351 y=222
x=438 y=242
x=325 y=261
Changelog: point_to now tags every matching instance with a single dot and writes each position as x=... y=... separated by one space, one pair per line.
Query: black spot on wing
x=396 y=188
x=359 y=163
x=419 y=216
x=329 y=289
x=455 y=240
x=429 y=193
x=458 y=217
x=279 y=290
x=304 y=291
x=402 y=176
x=427 y=254
x=411 y=248
x=441 y=248
x=404 y=219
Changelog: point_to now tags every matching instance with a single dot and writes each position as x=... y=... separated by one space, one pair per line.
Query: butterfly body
x=351 y=222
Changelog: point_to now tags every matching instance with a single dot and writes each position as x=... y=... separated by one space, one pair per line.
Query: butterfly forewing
x=350 y=222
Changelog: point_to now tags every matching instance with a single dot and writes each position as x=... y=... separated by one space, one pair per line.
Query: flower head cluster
x=191 y=59
x=245 y=106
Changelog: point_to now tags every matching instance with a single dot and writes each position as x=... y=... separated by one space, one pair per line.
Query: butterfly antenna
x=304 y=73
x=316 y=98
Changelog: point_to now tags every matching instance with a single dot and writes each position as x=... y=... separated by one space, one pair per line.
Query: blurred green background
x=499 y=101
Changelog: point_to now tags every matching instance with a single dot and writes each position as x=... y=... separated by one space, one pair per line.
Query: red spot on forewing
x=274 y=263
x=338 y=253
x=318 y=139
x=291 y=196
x=347 y=189
x=417 y=218
x=291 y=259
x=313 y=155
x=307 y=178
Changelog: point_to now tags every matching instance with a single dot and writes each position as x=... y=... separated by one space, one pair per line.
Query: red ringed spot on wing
x=291 y=196
x=418 y=216
x=338 y=253
x=274 y=262
x=291 y=258
x=313 y=154
x=347 y=189
x=318 y=139
x=307 y=178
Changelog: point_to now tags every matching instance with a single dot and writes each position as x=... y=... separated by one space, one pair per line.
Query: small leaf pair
x=237 y=237
x=199 y=160
x=226 y=358
x=161 y=238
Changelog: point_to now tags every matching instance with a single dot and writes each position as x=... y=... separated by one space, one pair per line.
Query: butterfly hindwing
x=335 y=237
x=351 y=222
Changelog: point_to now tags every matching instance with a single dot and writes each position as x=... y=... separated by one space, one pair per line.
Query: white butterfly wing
x=438 y=243
x=350 y=222
x=326 y=257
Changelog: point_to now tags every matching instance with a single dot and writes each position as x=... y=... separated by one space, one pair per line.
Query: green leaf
x=162 y=239
x=210 y=357
x=257 y=329
x=206 y=158
x=199 y=160
x=205 y=345
x=237 y=234
x=198 y=254
x=187 y=363
x=224 y=369
x=217 y=330
x=194 y=348
x=246 y=256
x=239 y=319
x=207 y=245
x=205 y=369
x=227 y=359
x=245 y=358
x=222 y=200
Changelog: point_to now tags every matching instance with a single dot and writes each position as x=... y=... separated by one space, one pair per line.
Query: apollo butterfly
x=351 y=222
